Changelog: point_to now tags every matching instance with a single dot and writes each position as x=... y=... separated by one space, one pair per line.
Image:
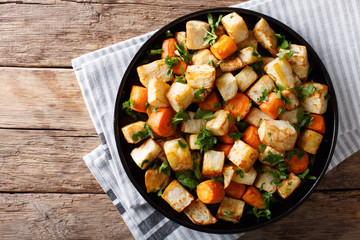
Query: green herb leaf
x=262 y=147
x=217 y=105
x=299 y=153
x=236 y=135
x=204 y=114
x=165 y=168
x=126 y=107
x=230 y=118
x=218 y=179
x=143 y=134
x=264 y=96
x=144 y=162
x=171 y=62
x=196 y=166
x=211 y=62
x=240 y=172
x=168 y=33
x=280 y=87
x=282 y=42
x=228 y=213
x=260 y=213
x=181 y=144
x=155 y=164
x=312 y=160
x=146 y=105
x=282 y=54
x=238 y=117
x=281 y=110
x=187 y=179
x=305 y=175
x=254 y=53
x=197 y=94
x=179 y=117
x=160 y=192
x=182 y=52
x=149 y=130
x=206 y=140
x=211 y=36
x=303 y=119
x=304 y=92
x=273 y=158
x=155 y=51
x=257 y=67
x=155 y=109
x=225 y=102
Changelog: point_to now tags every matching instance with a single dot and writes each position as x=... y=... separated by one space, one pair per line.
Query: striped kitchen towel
x=330 y=27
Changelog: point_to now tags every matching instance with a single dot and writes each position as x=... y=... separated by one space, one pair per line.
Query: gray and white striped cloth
x=331 y=28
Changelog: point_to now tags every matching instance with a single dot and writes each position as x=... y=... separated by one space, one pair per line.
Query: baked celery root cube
x=180 y=96
x=213 y=164
x=230 y=209
x=265 y=179
x=178 y=154
x=288 y=186
x=157 y=69
x=281 y=72
x=146 y=153
x=231 y=63
x=204 y=56
x=235 y=27
x=266 y=60
x=199 y=214
x=299 y=60
x=292 y=98
x=219 y=125
x=192 y=138
x=132 y=128
x=264 y=83
x=265 y=35
x=228 y=172
x=255 y=117
x=196 y=31
x=180 y=38
x=290 y=116
x=245 y=78
x=193 y=125
x=266 y=154
x=243 y=156
x=250 y=40
x=157 y=90
x=177 y=196
x=226 y=84
x=309 y=141
x=247 y=178
x=278 y=134
x=316 y=102
x=247 y=56
x=155 y=180
x=200 y=76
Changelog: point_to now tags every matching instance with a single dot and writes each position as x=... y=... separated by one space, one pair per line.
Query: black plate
x=279 y=210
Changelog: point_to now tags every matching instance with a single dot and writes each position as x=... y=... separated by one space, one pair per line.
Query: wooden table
x=47 y=192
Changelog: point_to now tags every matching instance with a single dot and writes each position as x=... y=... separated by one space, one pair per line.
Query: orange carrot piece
x=252 y=196
x=235 y=190
x=168 y=48
x=251 y=137
x=240 y=104
x=212 y=102
x=317 y=123
x=226 y=138
x=272 y=105
x=160 y=122
x=139 y=98
x=296 y=165
x=177 y=69
x=223 y=47
x=223 y=148
x=210 y=192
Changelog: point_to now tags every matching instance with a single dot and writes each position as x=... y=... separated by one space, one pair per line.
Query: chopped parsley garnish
x=299 y=153
x=305 y=175
x=168 y=33
x=179 y=117
x=240 y=172
x=264 y=96
x=238 y=117
x=217 y=105
x=204 y=114
x=155 y=164
x=228 y=213
x=160 y=192
x=211 y=36
x=312 y=160
x=187 y=178
x=197 y=94
x=254 y=53
x=260 y=213
x=147 y=105
x=155 y=51
x=155 y=109
x=281 y=110
x=230 y=118
x=225 y=102
x=196 y=166
x=181 y=78
x=304 y=92
x=273 y=158
x=171 y=62
x=290 y=53
x=218 y=179
x=262 y=147
x=303 y=119
x=257 y=67
x=206 y=140
x=165 y=168
x=282 y=42
x=182 y=52
x=181 y=144
x=211 y=62
x=126 y=106
x=280 y=87
x=143 y=134
x=236 y=135
x=144 y=162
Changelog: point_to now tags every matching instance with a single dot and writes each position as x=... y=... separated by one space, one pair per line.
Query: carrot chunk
x=180 y=67
x=235 y=190
x=251 y=137
x=210 y=192
x=223 y=148
x=226 y=138
x=317 y=124
x=238 y=106
x=139 y=98
x=160 y=122
x=296 y=165
x=168 y=48
x=272 y=105
x=212 y=102
x=252 y=196
x=223 y=47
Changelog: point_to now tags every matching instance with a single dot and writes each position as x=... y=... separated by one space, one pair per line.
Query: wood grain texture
x=51 y=33
x=60 y=216
x=46 y=161
x=42 y=98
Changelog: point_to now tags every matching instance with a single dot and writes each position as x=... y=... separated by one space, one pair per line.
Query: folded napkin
x=330 y=27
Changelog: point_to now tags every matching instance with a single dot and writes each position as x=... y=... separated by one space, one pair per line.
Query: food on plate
x=232 y=121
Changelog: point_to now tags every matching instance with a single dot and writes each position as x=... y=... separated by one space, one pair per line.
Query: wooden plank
x=326 y=215
x=60 y=216
x=51 y=33
x=46 y=161
x=42 y=98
